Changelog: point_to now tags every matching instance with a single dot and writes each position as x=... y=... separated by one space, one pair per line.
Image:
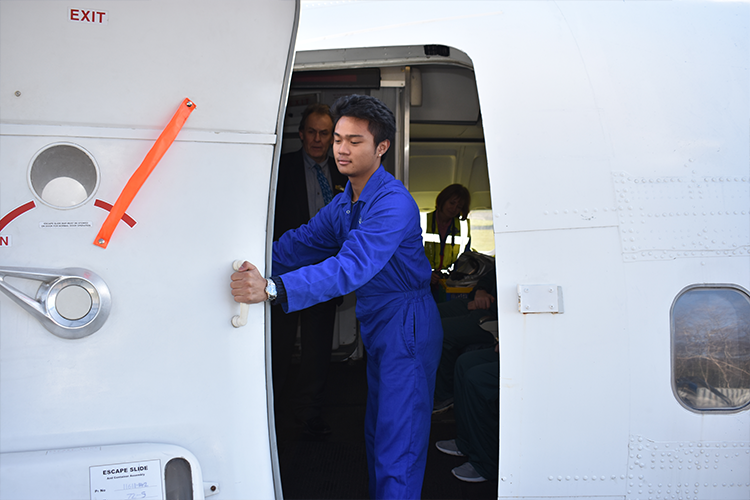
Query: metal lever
x=241 y=319
x=71 y=303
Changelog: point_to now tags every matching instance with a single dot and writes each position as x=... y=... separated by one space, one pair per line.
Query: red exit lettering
x=4 y=241
x=88 y=16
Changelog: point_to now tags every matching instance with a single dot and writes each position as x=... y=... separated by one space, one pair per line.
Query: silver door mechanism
x=71 y=303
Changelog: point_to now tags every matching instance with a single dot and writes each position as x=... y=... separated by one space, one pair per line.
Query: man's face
x=354 y=147
x=316 y=136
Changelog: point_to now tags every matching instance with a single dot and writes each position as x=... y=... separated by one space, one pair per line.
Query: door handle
x=71 y=303
x=241 y=319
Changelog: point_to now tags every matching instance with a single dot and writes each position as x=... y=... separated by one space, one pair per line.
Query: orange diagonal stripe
x=153 y=157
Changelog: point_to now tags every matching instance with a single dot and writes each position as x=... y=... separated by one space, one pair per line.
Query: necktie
x=325 y=187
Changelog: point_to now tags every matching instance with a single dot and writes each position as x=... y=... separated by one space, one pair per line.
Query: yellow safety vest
x=457 y=239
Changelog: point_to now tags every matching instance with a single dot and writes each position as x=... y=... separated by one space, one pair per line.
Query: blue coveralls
x=374 y=246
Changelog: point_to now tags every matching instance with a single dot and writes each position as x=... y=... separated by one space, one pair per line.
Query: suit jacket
x=291 y=193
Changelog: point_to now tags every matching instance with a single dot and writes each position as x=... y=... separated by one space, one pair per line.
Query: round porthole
x=63 y=175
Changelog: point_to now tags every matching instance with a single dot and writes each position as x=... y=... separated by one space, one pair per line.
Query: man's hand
x=248 y=286
x=482 y=300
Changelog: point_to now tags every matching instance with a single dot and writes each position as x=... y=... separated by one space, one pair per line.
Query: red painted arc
x=108 y=207
x=15 y=213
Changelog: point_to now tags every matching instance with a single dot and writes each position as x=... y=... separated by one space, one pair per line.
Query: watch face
x=271 y=288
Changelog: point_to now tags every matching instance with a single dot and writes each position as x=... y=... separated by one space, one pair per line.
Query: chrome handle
x=71 y=303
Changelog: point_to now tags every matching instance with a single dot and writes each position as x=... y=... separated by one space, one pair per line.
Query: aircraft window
x=63 y=175
x=482 y=234
x=711 y=348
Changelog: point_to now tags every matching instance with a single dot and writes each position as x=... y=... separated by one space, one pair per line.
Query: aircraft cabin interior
x=439 y=141
x=439 y=138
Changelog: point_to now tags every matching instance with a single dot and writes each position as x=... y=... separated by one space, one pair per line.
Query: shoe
x=468 y=473
x=442 y=406
x=449 y=447
x=316 y=426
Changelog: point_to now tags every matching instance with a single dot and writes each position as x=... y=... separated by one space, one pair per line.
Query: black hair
x=381 y=122
x=314 y=109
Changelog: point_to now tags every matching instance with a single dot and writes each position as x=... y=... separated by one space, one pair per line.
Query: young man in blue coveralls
x=368 y=240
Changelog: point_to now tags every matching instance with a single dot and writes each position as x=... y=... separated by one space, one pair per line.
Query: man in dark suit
x=308 y=179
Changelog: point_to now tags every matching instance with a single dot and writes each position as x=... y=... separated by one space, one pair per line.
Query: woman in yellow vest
x=446 y=230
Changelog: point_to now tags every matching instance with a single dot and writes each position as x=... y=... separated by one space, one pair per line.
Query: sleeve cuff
x=280 y=291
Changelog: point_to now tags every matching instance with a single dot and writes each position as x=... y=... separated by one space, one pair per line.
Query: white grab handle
x=241 y=319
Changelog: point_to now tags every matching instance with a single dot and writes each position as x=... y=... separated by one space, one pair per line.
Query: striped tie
x=325 y=187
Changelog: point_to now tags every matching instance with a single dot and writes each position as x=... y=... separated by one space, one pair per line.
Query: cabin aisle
x=335 y=467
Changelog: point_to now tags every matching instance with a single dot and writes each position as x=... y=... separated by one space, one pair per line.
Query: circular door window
x=63 y=175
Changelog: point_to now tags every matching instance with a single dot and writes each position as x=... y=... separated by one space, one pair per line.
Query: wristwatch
x=271 y=289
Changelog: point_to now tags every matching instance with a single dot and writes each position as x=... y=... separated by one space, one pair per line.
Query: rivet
x=101 y=241
x=189 y=104
x=18 y=93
